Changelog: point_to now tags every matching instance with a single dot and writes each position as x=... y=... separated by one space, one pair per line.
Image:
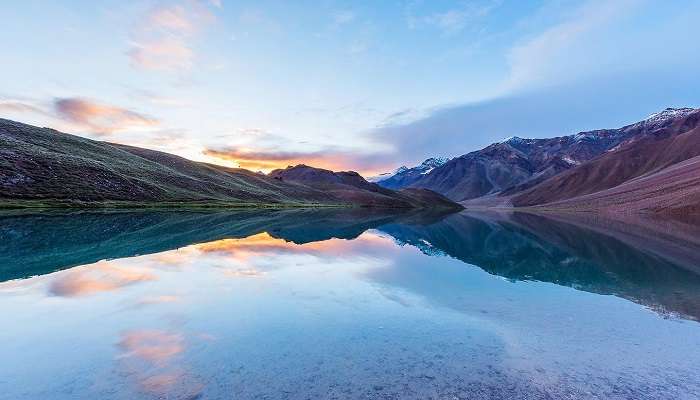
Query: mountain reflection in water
x=516 y=246
x=349 y=303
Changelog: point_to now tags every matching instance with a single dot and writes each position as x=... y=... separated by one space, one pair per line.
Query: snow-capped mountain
x=659 y=118
x=516 y=164
x=655 y=169
x=404 y=176
x=386 y=175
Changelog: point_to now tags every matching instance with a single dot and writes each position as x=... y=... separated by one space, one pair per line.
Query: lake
x=347 y=304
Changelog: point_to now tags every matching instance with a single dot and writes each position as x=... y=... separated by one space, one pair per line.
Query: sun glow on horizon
x=252 y=161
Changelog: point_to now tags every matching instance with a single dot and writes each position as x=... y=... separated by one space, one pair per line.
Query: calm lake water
x=343 y=304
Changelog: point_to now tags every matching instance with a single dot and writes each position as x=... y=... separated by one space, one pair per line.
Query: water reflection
x=657 y=265
x=594 y=258
x=150 y=359
x=347 y=304
x=38 y=244
x=99 y=277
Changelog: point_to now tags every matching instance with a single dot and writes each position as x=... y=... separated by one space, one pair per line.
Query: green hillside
x=41 y=165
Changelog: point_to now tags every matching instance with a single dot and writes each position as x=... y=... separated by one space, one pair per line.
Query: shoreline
x=51 y=204
x=55 y=204
x=582 y=211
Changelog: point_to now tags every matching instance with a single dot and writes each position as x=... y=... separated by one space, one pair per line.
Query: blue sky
x=345 y=85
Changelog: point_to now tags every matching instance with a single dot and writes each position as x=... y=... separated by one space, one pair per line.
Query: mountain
x=386 y=175
x=41 y=166
x=404 y=176
x=655 y=170
x=349 y=186
x=516 y=165
x=514 y=162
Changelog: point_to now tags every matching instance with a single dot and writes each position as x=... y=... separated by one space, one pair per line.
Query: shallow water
x=344 y=304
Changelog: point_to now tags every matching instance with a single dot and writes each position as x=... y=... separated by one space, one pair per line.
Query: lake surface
x=344 y=304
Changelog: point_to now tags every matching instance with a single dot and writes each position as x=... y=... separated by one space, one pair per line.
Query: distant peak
x=434 y=162
x=513 y=140
x=669 y=112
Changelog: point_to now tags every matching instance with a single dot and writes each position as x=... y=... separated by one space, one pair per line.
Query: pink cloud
x=102 y=118
x=174 y=19
x=165 y=54
x=162 y=40
x=19 y=106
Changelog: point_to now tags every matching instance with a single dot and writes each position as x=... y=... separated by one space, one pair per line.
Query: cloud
x=267 y=160
x=358 y=47
x=163 y=39
x=403 y=116
x=75 y=113
x=162 y=54
x=20 y=106
x=566 y=46
x=603 y=102
x=173 y=19
x=343 y=17
x=455 y=20
x=99 y=117
x=157 y=99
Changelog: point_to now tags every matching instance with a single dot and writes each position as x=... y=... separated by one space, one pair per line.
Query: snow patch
x=581 y=136
x=669 y=113
x=433 y=162
x=570 y=160
x=659 y=118
x=424 y=168
x=513 y=140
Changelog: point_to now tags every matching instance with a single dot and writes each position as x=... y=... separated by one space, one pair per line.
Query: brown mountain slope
x=639 y=156
x=517 y=164
x=673 y=190
x=349 y=186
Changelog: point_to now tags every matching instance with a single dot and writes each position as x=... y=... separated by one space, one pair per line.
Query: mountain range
x=45 y=167
x=647 y=166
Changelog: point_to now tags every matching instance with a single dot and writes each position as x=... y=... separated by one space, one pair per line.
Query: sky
x=344 y=85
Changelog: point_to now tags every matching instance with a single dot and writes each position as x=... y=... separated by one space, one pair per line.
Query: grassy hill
x=43 y=167
x=42 y=164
